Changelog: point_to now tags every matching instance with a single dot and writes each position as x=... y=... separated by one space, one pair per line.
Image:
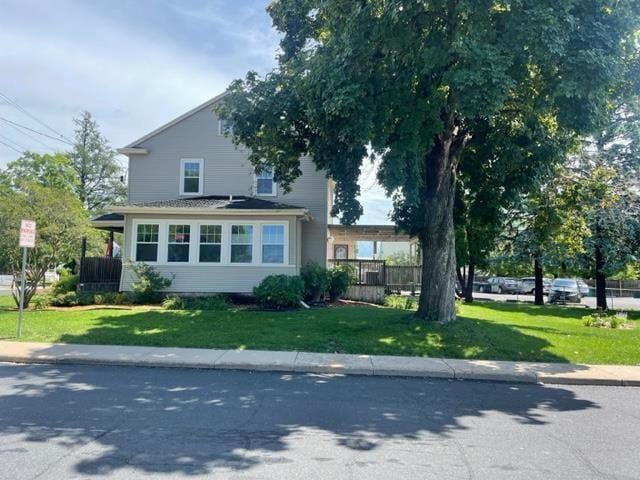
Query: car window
x=564 y=283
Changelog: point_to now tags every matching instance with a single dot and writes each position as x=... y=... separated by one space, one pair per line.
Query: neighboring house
x=198 y=212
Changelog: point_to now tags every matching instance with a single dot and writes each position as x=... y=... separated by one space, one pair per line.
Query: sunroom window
x=210 y=243
x=273 y=244
x=178 y=243
x=241 y=243
x=147 y=242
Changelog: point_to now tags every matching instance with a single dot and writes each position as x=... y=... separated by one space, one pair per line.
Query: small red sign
x=27 y=234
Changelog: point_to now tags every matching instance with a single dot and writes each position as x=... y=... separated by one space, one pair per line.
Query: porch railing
x=366 y=272
x=100 y=274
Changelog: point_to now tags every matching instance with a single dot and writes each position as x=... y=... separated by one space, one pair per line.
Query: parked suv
x=527 y=285
x=564 y=290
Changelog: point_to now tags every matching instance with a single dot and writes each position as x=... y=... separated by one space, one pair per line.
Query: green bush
x=147 y=288
x=211 y=302
x=172 y=302
x=341 y=277
x=68 y=299
x=40 y=302
x=279 y=292
x=316 y=280
x=113 y=298
x=66 y=283
x=401 y=302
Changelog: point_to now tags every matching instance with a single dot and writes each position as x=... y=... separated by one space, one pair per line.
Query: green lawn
x=484 y=330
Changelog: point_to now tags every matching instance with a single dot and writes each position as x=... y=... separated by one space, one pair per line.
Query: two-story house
x=198 y=211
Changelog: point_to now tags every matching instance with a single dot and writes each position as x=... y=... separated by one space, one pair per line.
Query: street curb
x=321 y=363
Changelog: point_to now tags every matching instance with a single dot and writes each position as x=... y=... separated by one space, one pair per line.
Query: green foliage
x=602 y=319
x=400 y=302
x=69 y=299
x=172 y=302
x=149 y=284
x=40 y=302
x=66 y=283
x=279 y=292
x=210 y=302
x=47 y=170
x=341 y=277
x=316 y=280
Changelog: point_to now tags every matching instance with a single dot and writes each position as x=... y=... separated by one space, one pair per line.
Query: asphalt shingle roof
x=218 y=202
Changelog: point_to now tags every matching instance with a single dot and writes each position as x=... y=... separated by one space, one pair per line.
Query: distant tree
x=48 y=170
x=94 y=161
x=410 y=79
x=60 y=224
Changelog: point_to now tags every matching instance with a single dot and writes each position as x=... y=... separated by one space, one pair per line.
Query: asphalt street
x=618 y=303
x=72 y=422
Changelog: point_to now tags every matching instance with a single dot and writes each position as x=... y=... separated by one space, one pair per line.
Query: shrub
x=40 y=302
x=172 y=302
x=149 y=284
x=279 y=291
x=113 y=298
x=68 y=299
x=602 y=319
x=211 y=302
x=316 y=280
x=341 y=277
x=400 y=302
x=66 y=283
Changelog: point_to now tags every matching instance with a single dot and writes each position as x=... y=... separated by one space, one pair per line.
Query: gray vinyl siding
x=194 y=278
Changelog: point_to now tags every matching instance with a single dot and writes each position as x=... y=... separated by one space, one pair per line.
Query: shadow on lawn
x=200 y=422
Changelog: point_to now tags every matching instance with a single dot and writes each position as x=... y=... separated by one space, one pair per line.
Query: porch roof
x=384 y=233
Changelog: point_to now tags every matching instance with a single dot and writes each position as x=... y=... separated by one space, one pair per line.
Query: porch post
x=110 y=245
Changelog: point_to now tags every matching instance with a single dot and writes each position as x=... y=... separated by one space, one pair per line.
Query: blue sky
x=134 y=64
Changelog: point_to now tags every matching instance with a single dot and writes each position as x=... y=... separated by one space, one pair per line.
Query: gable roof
x=158 y=130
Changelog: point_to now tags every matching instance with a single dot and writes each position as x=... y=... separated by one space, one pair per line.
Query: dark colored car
x=564 y=290
x=499 y=285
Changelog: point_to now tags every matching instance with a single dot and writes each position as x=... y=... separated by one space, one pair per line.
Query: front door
x=341 y=252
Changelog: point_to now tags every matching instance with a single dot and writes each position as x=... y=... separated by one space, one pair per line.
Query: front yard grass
x=496 y=331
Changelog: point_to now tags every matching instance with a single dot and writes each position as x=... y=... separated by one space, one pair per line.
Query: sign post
x=27 y=240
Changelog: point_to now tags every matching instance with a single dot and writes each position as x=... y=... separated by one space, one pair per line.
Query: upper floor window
x=264 y=184
x=178 y=243
x=191 y=176
x=147 y=242
x=225 y=127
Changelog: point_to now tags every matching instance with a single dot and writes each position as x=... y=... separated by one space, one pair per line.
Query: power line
x=30 y=136
x=20 y=108
x=14 y=143
x=12 y=148
x=35 y=131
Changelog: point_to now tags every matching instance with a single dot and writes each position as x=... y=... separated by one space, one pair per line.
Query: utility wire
x=35 y=131
x=31 y=137
x=12 y=148
x=7 y=139
x=20 y=108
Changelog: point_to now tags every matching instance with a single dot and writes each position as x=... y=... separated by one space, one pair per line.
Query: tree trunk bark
x=538 y=283
x=601 y=281
x=468 y=290
x=437 y=295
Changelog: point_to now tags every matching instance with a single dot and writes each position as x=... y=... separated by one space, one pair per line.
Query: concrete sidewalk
x=489 y=370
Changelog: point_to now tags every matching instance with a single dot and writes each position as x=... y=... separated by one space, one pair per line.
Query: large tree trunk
x=437 y=294
x=468 y=290
x=601 y=281
x=538 y=283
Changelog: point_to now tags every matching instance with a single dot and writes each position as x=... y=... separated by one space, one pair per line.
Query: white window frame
x=134 y=243
x=253 y=226
x=274 y=186
x=285 y=246
x=200 y=162
x=222 y=242
x=220 y=130
x=179 y=223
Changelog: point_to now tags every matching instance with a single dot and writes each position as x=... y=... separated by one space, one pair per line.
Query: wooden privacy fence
x=366 y=272
x=401 y=277
x=100 y=274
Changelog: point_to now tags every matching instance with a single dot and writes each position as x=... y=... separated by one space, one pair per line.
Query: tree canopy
x=415 y=81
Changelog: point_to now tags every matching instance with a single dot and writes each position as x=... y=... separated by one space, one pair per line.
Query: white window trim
x=253 y=241
x=220 y=132
x=222 y=242
x=199 y=161
x=274 y=188
x=225 y=249
x=285 y=246
x=190 y=244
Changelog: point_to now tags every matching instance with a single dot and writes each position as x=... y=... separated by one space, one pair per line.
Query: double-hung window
x=178 y=243
x=225 y=127
x=210 y=243
x=147 y=242
x=264 y=181
x=191 y=176
x=272 y=243
x=241 y=243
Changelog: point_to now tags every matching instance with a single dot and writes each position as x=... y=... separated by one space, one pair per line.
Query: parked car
x=527 y=285
x=584 y=288
x=499 y=285
x=564 y=290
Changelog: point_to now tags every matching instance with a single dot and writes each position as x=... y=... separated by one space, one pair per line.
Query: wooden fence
x=366 y=272
x=401 y=277
x=100 y=274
